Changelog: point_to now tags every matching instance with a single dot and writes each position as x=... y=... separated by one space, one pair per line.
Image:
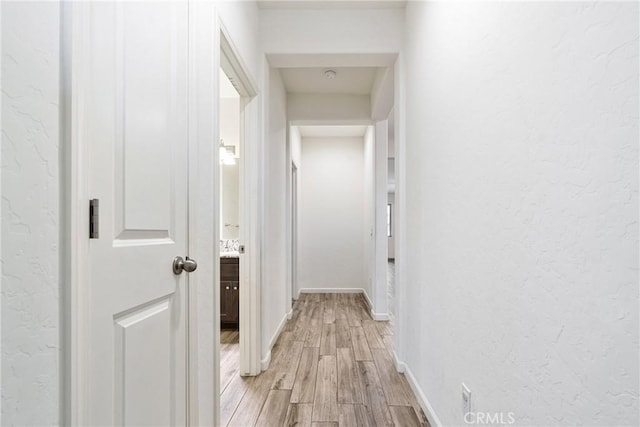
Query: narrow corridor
x=331 y=366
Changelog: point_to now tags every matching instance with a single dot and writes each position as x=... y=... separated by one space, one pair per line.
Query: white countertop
x=230 y=254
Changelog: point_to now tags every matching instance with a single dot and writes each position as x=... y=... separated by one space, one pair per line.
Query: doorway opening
x=230 y=225
x=237 y=224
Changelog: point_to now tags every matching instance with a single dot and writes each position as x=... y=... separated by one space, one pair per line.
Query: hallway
x=332 y=365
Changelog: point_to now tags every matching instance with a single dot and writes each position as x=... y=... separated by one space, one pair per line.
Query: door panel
x=142 y=331
x=149 y=100
x=135 y=125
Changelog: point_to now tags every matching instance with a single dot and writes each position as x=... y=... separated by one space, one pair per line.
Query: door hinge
x=94 y=218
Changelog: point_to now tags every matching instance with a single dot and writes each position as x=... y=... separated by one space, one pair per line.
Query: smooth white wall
x=230 y=134
x=274 y=294
x=522 y=209
x=31 y=344
x=333 y=108
x=331 y=249
x=296 y=147
x=230 y=121
x=230 y=218
x=331 y=31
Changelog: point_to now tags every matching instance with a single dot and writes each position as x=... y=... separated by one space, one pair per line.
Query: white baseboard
x=367 y=299
x=382 y=317
x=290 y=314
x=330 y=291
x=375 y=316
x=400 y=366
x=264 y=363
x=422 y=399
x=266 y=360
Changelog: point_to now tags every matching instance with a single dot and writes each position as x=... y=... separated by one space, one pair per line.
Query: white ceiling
x=331 y=131
x=348 y=80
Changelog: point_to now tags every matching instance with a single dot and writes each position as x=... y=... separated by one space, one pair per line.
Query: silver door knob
x=187 y=265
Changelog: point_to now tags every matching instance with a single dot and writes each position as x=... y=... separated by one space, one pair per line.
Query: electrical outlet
x=466 y=400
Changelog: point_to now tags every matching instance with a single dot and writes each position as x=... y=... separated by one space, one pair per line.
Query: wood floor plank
x=324 y=424
x=388 y=343
x=404 y=416
x=300 y=329
x=314 y=333
x=371 y=332
x=304 y=386
x=343 y=333
x=384 y=328
x=360 y=345
x=328 y=339
x=299 y=415
x=340 y=310
x=274 y=410
x=315 y=297
x=349 y=386
x=325 y=403
x=353 y=315
x=414 y=401
x=363 y=311
x=228 y=371
x=355 y=415
x=229 y=357
x=329 y=315
x=287 y=366
x=394 y=389
x=373 y=394
x=250 y=406
x=231 y=397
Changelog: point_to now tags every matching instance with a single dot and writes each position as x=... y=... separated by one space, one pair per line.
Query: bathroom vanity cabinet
x=229 y=291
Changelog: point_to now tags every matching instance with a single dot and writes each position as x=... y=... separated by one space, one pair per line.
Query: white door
x=135 y=125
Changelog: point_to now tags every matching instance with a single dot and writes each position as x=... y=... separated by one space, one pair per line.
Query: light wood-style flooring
x=331 y=366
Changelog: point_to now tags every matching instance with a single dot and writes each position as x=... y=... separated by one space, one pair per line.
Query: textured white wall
x=522 y=209
x=331 y=250
x=274 y=294
x=30 y=213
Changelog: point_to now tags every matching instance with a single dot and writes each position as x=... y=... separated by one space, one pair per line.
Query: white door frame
x=250 y=206
x=400 y=211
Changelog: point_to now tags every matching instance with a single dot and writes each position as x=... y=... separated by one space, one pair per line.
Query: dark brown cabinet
x=229 y=291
